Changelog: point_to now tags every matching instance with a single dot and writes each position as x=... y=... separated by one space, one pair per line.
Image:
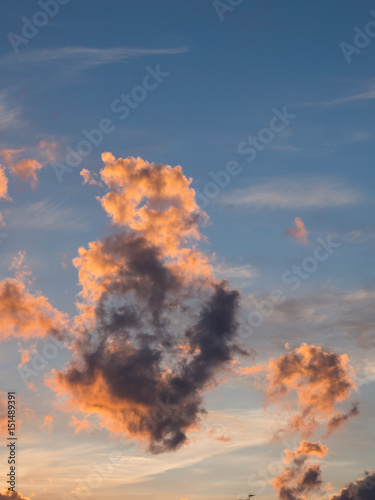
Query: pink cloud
x=300 y=233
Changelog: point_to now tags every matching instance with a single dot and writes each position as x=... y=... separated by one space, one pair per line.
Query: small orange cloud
x=23 y=314
x=299 y=479
x=49 y=150
x=80 y=425
x=250 y=370
x=306 y=448
x=22 y=271
x=26 y=169
x=47 y=424
x=300 y=233
x=26 y=353
x=4 y=185
x=89 y=178
x=311 y=382
x=79 y=490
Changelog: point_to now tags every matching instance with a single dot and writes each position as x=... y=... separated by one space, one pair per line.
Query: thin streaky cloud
x=85 y=56
x=366 y=94
x=10 y=117
x=296 y=193
x=140 y=467
x=46 y=216
x=245 y=271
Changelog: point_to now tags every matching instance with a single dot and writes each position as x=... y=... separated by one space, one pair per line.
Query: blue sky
x=222 y=80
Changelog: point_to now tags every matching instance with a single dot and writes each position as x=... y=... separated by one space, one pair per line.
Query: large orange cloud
x=147 y=289
x=157 y=201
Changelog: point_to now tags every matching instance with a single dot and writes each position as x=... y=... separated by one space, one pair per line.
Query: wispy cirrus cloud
x=46 y=216
x=328 y=312
x=349 y=99
x=294 y=192
x=65 y=65
x=366 y=93
x=83 y=57
x=10 y=116
x=236 y=272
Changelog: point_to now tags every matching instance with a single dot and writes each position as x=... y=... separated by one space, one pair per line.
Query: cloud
x=26 y=354
x=240 y=272
x=366 y=95
x=9 y=116
x=170 y=217
x=307 y=448
x=24 y=315
x=346 y=313
x=3 y=192
x=89 y=178
x=318 y=380
x=26 y=169
x=337 y=421
x=5 y=494
x=22 y=271
x=3 y=415
x=146 y=290
x=293 y=192
x=300 y=233
x=47 y=424
x=80 y=425
x=362 y=489
x=4 y=185
x=222 y=438
x=47 y=216
x=300 y=479
x=78 y=59
x=80 y=490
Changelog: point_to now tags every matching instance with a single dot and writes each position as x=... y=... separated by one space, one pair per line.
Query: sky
x=186 y=249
